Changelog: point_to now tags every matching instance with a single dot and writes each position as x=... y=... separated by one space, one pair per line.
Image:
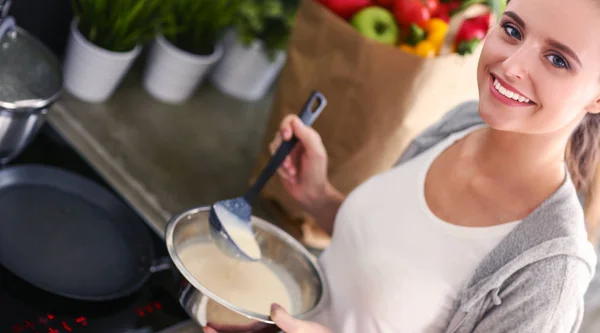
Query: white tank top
x=392 y=265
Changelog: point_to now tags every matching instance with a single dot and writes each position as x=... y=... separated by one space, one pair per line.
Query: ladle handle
x=309 y=113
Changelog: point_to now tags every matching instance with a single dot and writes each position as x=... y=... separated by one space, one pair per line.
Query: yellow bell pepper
x=426 y=49
x=436 y=30
x=407 y=48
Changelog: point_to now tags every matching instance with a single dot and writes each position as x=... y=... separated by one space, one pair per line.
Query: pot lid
x=30 y=74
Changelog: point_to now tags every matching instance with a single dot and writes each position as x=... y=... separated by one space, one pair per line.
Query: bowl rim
x=263 y=224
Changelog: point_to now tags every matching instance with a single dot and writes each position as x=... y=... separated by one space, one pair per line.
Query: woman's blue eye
x=511 y=31
x=558 y=61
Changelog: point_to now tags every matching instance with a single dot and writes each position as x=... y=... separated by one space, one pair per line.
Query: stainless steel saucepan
x=207 y=308
x=30 y=81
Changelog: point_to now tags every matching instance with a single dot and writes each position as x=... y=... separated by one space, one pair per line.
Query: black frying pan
x=67 y=235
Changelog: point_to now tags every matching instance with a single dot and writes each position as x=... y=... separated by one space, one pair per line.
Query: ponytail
x=583 y=152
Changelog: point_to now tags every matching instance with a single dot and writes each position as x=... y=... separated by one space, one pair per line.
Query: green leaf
x=192 y=25
x=76 y=8
x=269 y=21
x=197 y=25
x=498 y=7
x=118 y=25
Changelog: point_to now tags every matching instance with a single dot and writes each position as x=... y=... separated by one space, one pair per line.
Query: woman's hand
x=287 y=323
x=304 y=172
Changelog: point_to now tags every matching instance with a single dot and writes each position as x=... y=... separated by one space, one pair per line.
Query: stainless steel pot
x=17 y=129
x=30 y=81
x=207 y=308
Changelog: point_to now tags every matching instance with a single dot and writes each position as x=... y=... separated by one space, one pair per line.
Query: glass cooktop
x=26 y=309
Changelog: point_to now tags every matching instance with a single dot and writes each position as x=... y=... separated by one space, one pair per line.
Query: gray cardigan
x=536 y=278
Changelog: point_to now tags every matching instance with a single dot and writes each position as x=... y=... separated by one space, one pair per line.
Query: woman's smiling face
x=539 y=70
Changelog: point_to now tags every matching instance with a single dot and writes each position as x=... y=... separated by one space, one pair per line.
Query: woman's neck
x=510 y=156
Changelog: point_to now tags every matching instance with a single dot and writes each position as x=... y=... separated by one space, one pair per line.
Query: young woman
x=479 y=227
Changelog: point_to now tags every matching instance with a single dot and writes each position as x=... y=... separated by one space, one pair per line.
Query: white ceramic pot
x=92 y=73
x=244 y=72
x=172 y=75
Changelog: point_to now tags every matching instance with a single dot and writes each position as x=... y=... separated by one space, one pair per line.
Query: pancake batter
x=253 y=286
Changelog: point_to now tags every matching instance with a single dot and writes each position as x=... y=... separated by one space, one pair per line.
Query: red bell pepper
x=447 y=9
x=345 y=8
x=385 y=3
x=471 y=33
x=417 y=12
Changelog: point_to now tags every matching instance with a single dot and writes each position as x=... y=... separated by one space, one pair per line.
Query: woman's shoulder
x=459 y=118
x=539 y=273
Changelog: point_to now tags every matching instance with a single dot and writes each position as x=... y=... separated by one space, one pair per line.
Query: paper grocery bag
x=379 y=97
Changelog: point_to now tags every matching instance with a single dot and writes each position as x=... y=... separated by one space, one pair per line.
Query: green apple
x=377 y=23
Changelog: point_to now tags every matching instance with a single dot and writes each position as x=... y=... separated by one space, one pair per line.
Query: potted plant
x=106 y=37
x=187 y=48
x=255 y=48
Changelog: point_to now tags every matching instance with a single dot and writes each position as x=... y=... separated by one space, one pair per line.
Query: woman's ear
x=594 y=108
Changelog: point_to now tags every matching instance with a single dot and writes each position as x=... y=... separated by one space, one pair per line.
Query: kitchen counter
x=164 y=158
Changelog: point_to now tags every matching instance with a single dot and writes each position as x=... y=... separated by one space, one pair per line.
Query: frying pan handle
x=4 y=7
x=6 y=25
x=309 y=113
x=161 y=264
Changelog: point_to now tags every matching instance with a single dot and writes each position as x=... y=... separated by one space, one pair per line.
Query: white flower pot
x=172 y=75
x=92 y=73
x=244 y=72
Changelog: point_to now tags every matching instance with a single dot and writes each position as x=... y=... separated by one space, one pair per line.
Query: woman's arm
x=324 y=210
x=547 y=296
x=303 y=173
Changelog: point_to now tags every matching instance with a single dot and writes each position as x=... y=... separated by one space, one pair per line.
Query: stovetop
x=27 y=309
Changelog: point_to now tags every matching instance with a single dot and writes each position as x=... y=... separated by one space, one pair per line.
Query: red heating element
x=66 y=327
x=148 y=309
x=50 y=324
